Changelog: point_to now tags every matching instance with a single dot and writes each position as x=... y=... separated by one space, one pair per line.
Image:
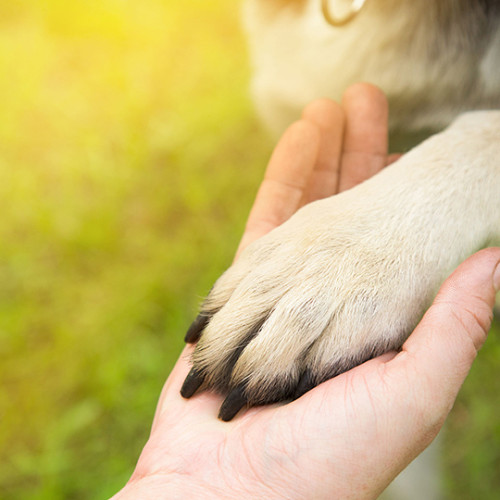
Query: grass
x=129 y=159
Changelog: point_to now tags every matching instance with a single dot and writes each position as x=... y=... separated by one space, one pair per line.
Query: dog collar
x=356 y=6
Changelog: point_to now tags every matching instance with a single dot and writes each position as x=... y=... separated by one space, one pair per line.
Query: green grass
x=129 y=156
x=129 y=160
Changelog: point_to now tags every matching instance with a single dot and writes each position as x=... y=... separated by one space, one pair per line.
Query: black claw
x=306 y=383
x=197 y=326
x=233 y=403
x=192 y=383
x=223 y=382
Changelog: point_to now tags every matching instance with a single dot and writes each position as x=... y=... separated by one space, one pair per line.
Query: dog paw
x=310 y=300
x=348 y=277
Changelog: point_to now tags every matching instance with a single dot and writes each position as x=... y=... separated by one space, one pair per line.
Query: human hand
x=350 y=436
x=333 y=148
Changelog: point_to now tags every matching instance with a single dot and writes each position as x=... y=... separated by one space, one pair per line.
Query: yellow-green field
x=129 y=156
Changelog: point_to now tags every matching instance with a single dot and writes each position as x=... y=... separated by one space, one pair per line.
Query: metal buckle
x=356 y=6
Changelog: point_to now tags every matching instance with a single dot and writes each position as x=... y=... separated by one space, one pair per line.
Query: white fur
x=430 y=76
x=348 y=277
x=322 y=289
x=358 y=269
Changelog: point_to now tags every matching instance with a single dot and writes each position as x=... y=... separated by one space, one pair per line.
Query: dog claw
x=305 y=384
x=197 y=326
x=233 y=403
x=192 y=383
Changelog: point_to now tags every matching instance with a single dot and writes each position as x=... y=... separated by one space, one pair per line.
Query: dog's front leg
x=348 y=277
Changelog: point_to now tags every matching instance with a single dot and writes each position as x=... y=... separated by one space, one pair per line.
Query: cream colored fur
x=431 y=59
x=348 y=277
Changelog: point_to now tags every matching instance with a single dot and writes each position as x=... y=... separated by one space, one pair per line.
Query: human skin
x=350 y=436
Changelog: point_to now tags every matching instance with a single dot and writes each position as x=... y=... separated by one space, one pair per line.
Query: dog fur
x=433 y=59
x=348 y=277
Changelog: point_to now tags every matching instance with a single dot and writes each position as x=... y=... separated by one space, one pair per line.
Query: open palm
x=350 y=436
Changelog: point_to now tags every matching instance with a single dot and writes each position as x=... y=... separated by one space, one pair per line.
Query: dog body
x=433 y=59
x=348 y=277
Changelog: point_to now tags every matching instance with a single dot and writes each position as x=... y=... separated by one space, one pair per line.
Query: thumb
x=442 y=348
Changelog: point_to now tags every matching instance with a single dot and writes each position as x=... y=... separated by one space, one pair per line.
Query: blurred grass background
x=129 y=157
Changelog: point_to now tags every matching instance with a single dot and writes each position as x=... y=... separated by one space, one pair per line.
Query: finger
x=442 y=348
x=286 y=178
x=329 y=117
x=365 y=138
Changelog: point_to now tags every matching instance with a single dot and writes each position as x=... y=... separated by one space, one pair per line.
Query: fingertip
x=366 y=134
x=447 y=339
x=302 y=132
x=496 y=278
x=294 y=157
x=475 y=276
x=367 y=112
x=365 y=94
x=329 y=117
x=286 y=178
x=324 y=112
x=469 y=294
